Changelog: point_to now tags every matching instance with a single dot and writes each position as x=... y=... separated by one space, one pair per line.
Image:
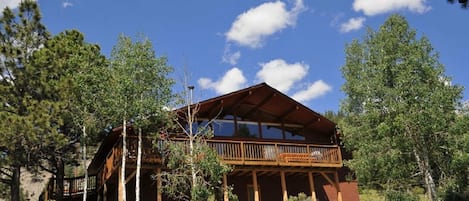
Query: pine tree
x=68 y=80
x=24 y=117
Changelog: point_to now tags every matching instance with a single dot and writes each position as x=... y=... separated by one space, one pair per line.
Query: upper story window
x=248 y=129
x=291 y=134
x=245 y=129
x=271 y=131
x=224 y=128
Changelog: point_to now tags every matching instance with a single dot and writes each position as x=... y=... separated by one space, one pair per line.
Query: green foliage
x=25 y=116
x=177 y=178
x=398 y=107
x=399 y=196
x=456 y=179
x=334 y=116
x=139 y=88
x=66 y=61
x=300 y=197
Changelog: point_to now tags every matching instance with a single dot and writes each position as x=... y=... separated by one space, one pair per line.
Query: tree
x=398 y=107
x=23 y=115
x=456 y=179
x=70 y=80
x=193 y=170
x=462 y=2
x=139 y=91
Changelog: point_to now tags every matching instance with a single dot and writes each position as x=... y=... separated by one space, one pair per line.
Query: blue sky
x=296 y=46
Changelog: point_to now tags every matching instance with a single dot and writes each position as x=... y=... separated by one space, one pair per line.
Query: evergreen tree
x=23 y=116
x=68 y=78
x=399 y=105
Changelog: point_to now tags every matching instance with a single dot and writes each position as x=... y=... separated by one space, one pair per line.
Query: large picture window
x=224 y=128
x=293 y=135
x=248 y=130
x=270 y=131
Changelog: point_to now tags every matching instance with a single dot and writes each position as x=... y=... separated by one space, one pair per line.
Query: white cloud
x=231 y=81
x=352 y=24
x=254 y=25
x=231 y=57
x=67 y=4
x=281 y=75
x=12 y=4
x=375 y=7
x=315 y=90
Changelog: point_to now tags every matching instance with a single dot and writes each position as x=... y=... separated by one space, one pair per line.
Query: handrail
x=236 y=152
x=275 y=153
x=72 y=186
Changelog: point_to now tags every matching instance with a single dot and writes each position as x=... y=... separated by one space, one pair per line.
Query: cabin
x=277 y=147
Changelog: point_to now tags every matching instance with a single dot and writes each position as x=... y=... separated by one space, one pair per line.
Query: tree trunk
x=190 y=120
x=424 y=166
x=122 y=192
x=85 y=184
x=139 y=164
x=60 y=179
x=15 y=183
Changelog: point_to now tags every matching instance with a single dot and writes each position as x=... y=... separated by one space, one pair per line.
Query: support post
x=104 y=192
x=120 y=195
x=159 y=197
x=254 y=186
x=225 y=188
x=284 y=186
x=339 y=192
x=311 y=186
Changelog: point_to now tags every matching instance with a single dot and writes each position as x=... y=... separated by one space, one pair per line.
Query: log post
x=254 y=186
x=284 y=186
x=311 y=186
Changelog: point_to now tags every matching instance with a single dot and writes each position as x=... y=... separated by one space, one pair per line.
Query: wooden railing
x=276 y=153
x=114 y=157
x=72 y=187
x=235 y=152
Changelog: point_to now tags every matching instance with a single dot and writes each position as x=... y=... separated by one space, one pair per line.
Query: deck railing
x=114 y=157
x=235 y=152
x=276 y=153
x=72 y=187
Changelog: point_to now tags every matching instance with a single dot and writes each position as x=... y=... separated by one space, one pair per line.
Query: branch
x=2 y=171
x=5 y=181
x=47 y=169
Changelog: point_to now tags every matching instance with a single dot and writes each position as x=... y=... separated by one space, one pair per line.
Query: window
x=248 y=130
x=198 y=127
x=223 y=128
x=293 y=135
x=271 y=131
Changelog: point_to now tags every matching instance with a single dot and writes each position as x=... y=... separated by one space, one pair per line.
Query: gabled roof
x=263 y=103
x=260 y=103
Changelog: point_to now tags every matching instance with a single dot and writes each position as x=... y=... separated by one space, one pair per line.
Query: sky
x=295 y=46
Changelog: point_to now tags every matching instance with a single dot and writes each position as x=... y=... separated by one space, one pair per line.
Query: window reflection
x=271 y=132
x=223 y=128
x=293 y=135
x=248 y=130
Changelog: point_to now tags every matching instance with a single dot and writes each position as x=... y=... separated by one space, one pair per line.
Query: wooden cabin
x=277 y=146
